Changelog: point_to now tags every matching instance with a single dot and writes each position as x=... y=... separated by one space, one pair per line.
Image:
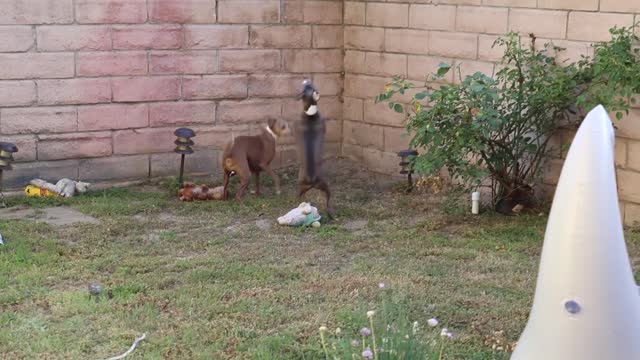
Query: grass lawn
x=210 y=281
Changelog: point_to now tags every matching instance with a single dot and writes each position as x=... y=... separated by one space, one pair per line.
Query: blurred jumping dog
x=310 y=134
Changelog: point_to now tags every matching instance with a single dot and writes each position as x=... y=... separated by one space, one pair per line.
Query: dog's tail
x=227 y=162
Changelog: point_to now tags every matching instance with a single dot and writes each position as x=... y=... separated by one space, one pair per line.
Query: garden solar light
x=95 y=290
x=586 y=304
x=183 y=147
x=6 y=158
x=407 y=166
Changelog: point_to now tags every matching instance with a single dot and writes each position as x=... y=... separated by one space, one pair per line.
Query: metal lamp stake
x=6 y=158
x=406 y=166
x=183 y=147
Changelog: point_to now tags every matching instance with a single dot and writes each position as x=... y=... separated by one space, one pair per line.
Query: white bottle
x=475 y=202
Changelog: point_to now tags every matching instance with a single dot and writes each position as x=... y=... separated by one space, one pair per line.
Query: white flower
x=446 y=334
x=370 y=313
x=323 y=328
x=338 y=331
x=415 y=327
x=432 y=322
x=381 y=285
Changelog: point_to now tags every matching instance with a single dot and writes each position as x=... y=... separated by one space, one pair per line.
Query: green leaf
x=421 y=95
x=443 y=69
x=619 y=115
x=398 y=108
x=391 y=105
x=477 y=88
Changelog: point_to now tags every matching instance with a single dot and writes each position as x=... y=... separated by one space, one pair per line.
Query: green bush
x=498 y=128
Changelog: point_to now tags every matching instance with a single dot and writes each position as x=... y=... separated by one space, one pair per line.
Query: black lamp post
x=406 y=166
x=183 y=147
x=6 y=158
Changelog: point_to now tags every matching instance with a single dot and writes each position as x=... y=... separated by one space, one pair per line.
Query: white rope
x=133 y=347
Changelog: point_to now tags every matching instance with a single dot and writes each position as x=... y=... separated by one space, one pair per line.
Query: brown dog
x=246 y=155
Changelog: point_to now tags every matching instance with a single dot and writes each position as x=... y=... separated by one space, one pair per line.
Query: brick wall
x=93 y=89
x=411 y=37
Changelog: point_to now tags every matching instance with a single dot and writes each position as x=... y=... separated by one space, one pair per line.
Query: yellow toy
x=32 y=190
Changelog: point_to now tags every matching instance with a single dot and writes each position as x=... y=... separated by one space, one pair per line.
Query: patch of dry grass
x=205 y=282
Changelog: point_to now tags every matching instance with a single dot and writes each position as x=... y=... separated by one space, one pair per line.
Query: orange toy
x=191 y=192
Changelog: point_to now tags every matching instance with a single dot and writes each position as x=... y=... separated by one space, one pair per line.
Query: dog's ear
x=272 y=123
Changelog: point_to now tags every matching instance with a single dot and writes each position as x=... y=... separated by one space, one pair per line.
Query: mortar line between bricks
x=35 y=38
x=566 y=30
x=146 y=7
x=75 y=109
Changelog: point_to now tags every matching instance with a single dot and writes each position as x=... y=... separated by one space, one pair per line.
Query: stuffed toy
x=63 y=188
x=35 y=191
x=191 y=192
x=303 y=215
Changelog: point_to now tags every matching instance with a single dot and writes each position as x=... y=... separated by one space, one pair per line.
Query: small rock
x=95 y=290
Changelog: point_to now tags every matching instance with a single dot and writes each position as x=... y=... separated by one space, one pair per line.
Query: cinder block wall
x=93 y=89
x=411 y=37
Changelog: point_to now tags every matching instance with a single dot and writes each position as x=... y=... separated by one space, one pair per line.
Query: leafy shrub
x=499 y=127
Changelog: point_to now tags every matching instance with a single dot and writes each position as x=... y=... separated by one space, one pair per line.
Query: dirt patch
x=163 y=216
x=17 y=213
x=264 y=224
x=234 y=228
x=356 y=225
x=57 y=216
